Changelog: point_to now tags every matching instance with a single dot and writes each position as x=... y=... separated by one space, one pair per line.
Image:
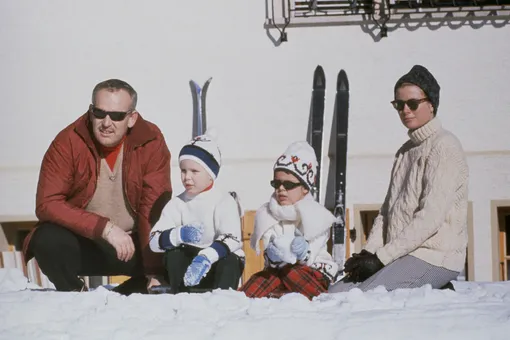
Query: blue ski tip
x=197 y=87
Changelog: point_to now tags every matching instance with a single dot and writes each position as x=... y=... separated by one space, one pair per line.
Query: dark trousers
x=224 y=273
x=63 y=255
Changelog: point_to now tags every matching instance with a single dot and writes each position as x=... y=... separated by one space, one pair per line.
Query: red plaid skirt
x=275 y=282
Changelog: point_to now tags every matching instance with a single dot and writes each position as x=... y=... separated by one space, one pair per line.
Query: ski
x=341 y=115
x=199 y=107
x=316 y=123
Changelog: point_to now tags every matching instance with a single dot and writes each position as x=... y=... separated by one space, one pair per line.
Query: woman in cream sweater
x=420 y=234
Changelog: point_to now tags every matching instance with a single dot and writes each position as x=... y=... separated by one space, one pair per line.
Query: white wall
x=52 y=53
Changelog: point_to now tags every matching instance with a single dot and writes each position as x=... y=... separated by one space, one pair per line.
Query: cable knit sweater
x=424 y=213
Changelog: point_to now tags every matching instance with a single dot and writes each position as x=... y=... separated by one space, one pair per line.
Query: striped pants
x=405 y=272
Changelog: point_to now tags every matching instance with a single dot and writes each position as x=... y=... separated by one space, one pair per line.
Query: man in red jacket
x=103 y=182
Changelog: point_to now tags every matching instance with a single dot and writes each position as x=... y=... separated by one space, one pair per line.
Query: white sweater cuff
x=175 y=236
x=384 y=256
x=210 y=253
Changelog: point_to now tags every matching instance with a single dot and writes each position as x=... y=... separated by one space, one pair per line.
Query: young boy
x=200 y=230
x=294 y=230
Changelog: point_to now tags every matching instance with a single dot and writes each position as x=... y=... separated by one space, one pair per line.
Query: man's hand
x=120 y=240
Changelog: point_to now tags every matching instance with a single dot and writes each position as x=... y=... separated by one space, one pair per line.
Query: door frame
x=495 y=225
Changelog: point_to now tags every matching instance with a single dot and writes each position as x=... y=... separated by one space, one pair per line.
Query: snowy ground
x=474 y=311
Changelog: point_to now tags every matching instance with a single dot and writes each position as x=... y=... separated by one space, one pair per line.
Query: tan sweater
x=424 y=213
x=109 y=200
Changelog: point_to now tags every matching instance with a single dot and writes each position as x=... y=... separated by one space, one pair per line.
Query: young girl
x=294 y=230
x=200 y=230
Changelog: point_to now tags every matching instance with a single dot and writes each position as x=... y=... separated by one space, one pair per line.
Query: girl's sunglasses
x=287 y=185
x=116 y=116
x=412 y=104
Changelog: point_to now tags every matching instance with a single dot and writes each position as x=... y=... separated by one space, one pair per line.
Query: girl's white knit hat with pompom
x=300 y=160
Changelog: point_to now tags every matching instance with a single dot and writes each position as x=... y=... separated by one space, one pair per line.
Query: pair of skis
x=339 y=154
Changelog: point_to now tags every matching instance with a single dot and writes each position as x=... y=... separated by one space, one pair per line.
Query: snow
x=13 y=280
x=473 y=311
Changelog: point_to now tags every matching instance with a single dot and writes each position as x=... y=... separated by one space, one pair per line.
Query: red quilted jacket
x=68 y=179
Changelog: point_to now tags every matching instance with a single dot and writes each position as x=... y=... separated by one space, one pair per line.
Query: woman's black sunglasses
x=116 y=116
x=287 y=185
x=412 y=104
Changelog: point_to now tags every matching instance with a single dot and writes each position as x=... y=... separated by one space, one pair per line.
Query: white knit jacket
x=216 y=211
x=424 y=213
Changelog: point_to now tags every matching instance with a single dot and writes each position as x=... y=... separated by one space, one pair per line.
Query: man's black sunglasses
x=287 y=185
x=116 y=116
x=412 y=104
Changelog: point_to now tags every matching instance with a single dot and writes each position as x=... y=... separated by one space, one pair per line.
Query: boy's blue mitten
x=190 y=233
x=174 y=237
x=196 y=271
x=299 y=246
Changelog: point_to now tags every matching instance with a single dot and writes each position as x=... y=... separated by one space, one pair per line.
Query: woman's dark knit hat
x=422 y=78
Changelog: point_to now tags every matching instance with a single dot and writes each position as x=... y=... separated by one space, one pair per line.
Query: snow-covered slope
x=473 y=311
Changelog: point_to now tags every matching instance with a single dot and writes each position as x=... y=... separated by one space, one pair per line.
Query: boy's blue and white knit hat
x=205 y=151
x=300 y=160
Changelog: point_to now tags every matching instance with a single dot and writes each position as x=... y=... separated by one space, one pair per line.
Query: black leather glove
x=351 y=266
x=351 y=263
x=361 y=253
x=367 y=266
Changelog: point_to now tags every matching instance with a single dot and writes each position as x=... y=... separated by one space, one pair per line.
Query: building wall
x=53 y=53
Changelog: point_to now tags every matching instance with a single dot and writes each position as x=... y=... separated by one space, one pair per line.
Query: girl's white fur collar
x=310 y=218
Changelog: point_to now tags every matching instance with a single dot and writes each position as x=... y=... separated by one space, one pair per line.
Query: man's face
x=107 y=131
x=415 y=117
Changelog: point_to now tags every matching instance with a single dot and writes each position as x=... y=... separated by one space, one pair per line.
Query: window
x=505 y=248
x=367 y=221
x=14 y=233
x=503 y=214
x=500 y=237
x=364 y=217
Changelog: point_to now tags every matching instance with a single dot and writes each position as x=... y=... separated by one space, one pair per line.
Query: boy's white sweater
x=425 y=210
x=216 y=211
